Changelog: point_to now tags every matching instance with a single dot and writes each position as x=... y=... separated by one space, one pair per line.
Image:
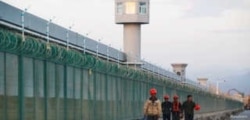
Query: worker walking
x=152 y=107
x=188 y=107
x=176 y=109
x=166 y=108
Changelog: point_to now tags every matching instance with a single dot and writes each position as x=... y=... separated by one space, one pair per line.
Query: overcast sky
x=212 y=36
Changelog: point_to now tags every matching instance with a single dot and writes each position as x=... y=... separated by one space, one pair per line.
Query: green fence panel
x=40 y=82
x=28 y=88
x=39 y=90
x=2 y=86
x=12 y=100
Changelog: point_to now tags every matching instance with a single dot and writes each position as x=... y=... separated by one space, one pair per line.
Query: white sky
x=212 y=36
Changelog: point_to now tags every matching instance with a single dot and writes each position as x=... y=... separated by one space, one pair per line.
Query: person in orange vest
x=176 y=109
x=166 y=108
x=152 y=106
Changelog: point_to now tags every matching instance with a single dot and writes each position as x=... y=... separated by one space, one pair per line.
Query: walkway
x=245 y=115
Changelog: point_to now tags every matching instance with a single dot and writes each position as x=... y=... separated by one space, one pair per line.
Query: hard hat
x=153 y=91
x=197 y=107
x=166 y=97
x=176 y=97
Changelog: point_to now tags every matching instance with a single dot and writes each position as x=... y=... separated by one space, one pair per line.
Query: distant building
x=237 y=96
x=132 y=13
x=212 y=88
x=246 y=100
x=180 y=70
x=202 y=81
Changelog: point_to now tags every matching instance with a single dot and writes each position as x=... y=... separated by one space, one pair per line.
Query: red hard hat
x=153 y=91
x=176 y=97
x=197 y=107
x=166 y=97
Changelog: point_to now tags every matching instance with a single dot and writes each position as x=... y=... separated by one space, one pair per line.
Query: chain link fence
x=40 y=81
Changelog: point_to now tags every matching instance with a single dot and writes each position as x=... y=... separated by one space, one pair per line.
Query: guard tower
x=202 y=81
x=132 y=13
x=180 y=70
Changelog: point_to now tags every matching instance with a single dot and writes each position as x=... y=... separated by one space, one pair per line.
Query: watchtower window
x=178 y=73
x=130 y=7
x=143 y=8
x=119 y=9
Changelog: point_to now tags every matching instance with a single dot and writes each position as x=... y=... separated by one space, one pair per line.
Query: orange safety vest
x=176 y=107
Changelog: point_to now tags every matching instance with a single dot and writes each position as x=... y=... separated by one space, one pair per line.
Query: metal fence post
x=65 y=91
x=20 y=87
x=22 y=22
x=45 y=91
x=5 y=115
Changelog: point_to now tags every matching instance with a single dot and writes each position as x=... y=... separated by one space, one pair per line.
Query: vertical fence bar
x=94 y=95
x=89 y=95
x=77 y=92
x=65 y=92
x=106 y=96
x=57 y=92
x=118 y=94
x=34 y=89
x=81 y=94
x=74 y=95
x=45 y=91
x=133 y=97
x=5 y=116
x=20 y=87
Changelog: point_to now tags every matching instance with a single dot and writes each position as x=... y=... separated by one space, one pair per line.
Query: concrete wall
x=132 y=42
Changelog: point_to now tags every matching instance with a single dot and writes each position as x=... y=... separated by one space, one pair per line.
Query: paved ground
x=245 y=115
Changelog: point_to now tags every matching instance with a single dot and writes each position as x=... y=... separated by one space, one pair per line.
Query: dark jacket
x=166 y=107
x=188 y=107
